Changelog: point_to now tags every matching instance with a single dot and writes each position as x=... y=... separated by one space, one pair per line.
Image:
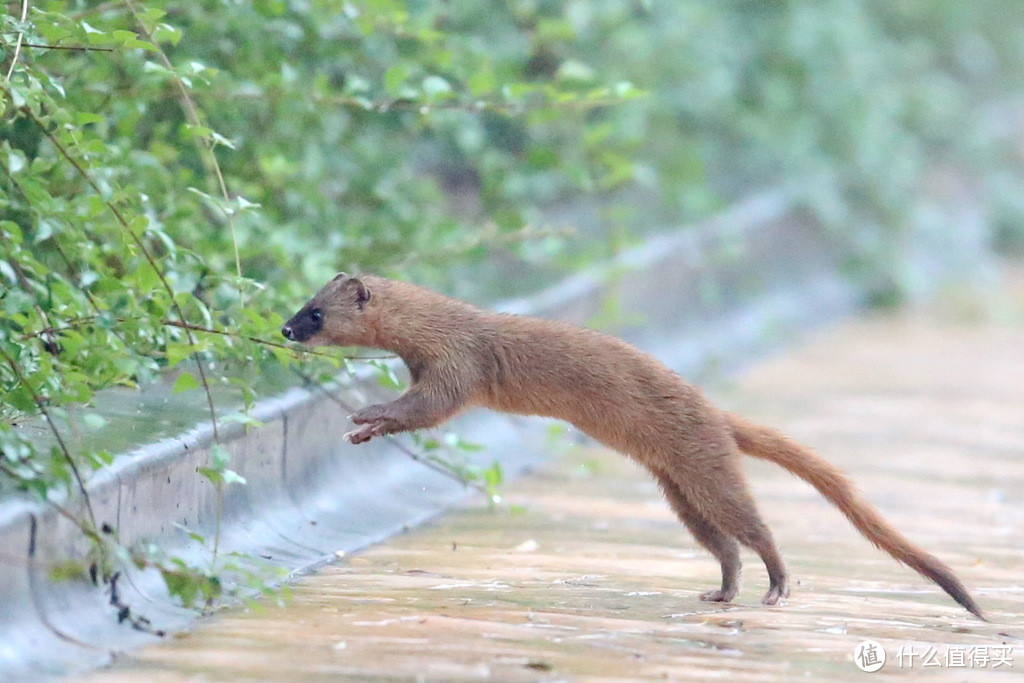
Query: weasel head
x=335 y=316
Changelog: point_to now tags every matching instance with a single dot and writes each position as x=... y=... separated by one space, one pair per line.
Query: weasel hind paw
x=718 y=596
x=774 y=594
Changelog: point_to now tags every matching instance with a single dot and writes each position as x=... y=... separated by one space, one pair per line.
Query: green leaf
x=481 y=82
x=436 y=88
x=15 y=161
x=191 y=534
x=197 y=131
x=386 y=376
x=166 y=32
x=215 y=476
x=220 y=458
x=575 y=71
x=493 y=475
x=219 y=139
x=129 y=39
x=84 y=118
x=89 y=29
x=147 y=279
x=177 y=352
x=395 y=77
x=94 y=421
x=185 y=382
x=241 y=418
x=68 y=570
x=8 y=272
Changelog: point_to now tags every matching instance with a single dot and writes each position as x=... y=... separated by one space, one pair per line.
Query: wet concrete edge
x=310 y=495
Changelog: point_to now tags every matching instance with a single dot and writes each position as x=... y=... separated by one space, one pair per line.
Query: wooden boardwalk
x=585 y=574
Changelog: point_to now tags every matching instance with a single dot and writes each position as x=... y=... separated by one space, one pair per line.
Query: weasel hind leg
x=719 y=497
x=753 y=533
x=723 y=546
x=729 y=505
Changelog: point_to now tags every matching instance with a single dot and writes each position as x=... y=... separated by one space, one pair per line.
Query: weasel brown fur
x=460 y=356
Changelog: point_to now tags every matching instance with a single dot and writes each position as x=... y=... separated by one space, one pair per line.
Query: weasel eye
x=317 y=315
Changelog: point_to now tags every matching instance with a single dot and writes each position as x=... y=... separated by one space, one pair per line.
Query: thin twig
x=75 y=323
x=267 y=342
x=21 y=37
x=81 y=48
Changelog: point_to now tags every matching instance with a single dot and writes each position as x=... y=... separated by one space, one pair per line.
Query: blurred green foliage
x=184 y=173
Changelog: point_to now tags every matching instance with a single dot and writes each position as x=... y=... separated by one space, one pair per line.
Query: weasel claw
x=363 y=435
x=774 y=594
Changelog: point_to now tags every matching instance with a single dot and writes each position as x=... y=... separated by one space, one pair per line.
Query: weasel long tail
x=766 y=444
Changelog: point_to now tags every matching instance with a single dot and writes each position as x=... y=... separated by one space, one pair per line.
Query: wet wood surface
x=584 y=573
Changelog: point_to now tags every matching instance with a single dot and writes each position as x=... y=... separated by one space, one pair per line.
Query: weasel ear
x=363 y=293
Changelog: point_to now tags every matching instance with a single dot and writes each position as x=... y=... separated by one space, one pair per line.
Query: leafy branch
x=139 y=243
x=41 y=404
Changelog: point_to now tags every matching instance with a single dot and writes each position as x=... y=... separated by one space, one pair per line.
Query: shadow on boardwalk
x=588 y=575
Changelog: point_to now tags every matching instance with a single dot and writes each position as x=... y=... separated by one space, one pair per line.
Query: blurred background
x=208 y=165
x=422 y=138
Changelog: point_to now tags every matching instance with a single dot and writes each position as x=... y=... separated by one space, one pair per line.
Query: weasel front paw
x=365 y=433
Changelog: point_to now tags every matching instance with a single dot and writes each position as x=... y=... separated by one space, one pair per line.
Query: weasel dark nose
x=287 y=331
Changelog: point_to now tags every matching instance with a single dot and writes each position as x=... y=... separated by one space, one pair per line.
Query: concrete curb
x=712 y=294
